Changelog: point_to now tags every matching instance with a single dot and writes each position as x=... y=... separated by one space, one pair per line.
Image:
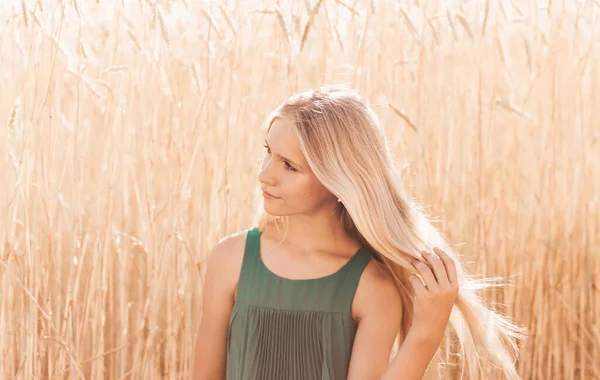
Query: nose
x=267 y=175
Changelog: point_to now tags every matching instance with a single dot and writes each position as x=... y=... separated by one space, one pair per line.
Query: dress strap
x=350 y=279
x=249 y=265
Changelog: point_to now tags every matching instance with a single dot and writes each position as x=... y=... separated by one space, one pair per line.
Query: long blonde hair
x=343 y=143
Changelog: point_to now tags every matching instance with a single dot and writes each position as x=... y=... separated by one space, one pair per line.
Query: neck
x=321 y=231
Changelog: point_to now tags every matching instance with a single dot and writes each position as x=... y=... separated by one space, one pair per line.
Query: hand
x=435 y=295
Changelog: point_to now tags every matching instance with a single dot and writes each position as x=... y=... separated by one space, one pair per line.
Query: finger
x=450 y=266
x=427 y=275
x=439 y=268
x=417 y=284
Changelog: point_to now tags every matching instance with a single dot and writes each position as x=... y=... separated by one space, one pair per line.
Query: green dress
x=286 y=329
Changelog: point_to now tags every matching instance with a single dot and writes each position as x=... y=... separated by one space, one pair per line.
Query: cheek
x=311 y=190
x=296 y=186
x=300 y=187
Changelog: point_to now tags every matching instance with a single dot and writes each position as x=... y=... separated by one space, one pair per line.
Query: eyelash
x=287 y=164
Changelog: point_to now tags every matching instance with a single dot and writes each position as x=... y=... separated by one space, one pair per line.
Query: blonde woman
x=340 y=266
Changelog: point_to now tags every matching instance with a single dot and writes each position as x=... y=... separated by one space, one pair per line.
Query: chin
x=275 y=211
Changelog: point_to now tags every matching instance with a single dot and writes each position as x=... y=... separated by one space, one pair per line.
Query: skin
x=315 y=246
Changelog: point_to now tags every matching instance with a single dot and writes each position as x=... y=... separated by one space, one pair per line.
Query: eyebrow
x=284 y=158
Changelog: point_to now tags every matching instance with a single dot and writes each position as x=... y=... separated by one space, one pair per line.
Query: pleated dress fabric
x=287 y=329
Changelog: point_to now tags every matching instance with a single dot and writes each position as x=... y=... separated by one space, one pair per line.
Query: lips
x=269 y=194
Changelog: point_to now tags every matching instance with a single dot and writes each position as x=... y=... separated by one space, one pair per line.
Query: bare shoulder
x=377 y=294
x=230 y=246
x=226 y=256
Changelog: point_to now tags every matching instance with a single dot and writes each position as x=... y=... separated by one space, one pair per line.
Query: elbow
x=205 y=368
x=201 y=372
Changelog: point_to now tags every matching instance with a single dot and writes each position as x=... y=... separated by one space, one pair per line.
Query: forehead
x=283 y=140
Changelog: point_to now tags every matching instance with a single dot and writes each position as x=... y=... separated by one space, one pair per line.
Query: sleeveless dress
x=286 y=329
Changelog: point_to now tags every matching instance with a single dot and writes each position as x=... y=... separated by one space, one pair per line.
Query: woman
x=342 y=265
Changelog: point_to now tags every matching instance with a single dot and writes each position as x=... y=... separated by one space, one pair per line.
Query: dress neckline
x=302 y=280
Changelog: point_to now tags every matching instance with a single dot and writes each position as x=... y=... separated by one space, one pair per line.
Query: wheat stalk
x=308 y=24
x=404 y=117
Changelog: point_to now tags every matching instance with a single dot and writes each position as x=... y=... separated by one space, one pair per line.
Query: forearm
x=412 y=358
x=208 y=363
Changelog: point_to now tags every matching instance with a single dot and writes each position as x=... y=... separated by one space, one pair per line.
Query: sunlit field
x=130 y=143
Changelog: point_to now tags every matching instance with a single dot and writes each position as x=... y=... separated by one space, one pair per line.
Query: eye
x=289 y=167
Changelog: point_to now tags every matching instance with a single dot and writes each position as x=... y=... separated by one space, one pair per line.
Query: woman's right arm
x=221 y=277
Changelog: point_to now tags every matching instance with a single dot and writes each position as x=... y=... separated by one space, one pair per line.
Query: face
x=285 y=174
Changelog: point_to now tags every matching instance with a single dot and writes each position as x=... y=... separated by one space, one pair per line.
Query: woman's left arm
x=378 y=308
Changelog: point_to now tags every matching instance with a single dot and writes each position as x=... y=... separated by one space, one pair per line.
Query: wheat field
x=130 y=143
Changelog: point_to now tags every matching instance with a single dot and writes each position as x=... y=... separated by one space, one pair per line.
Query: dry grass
x=132 y=141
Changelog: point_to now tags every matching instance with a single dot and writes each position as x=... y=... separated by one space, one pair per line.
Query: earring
x=339 y=200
